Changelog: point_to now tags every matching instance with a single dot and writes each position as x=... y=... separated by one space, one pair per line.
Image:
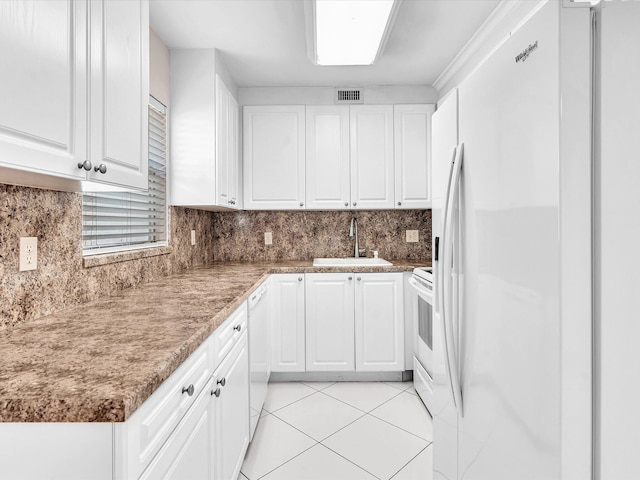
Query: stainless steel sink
x=350 y=262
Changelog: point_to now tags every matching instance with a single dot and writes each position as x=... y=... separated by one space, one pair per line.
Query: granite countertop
x=99 y=362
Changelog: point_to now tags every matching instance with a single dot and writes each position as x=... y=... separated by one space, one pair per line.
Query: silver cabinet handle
x=86 y=165
x=222 y=381
x=350 y=278
x=299 y=279
x=355 y=203
x=346 y=204
x=237 y=328
x=102 y=168
x=216 y=392
x=399 y=203
x=301 y=204
x=359 y=278
x=189 y=390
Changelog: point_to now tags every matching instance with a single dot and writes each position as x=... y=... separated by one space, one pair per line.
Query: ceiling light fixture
x=350 y=32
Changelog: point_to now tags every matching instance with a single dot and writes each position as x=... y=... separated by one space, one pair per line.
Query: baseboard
x=405 y=376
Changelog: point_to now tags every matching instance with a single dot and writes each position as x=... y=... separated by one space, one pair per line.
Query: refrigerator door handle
x=451 y=347
x=439 y=282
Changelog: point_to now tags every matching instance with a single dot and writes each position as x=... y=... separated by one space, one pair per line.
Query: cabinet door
x=286 y=299
x=223 y=144
x=412 y=135
x=329 y=322
x=187 y=452
x=327 y=160
x=119 y=94
x=274 y=150
x=234 y=154
x=231 y=422
x=43 y=104
x=371 y=141
x=379 y=322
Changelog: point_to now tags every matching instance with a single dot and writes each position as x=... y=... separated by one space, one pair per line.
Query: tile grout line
x=416 y=456
x=284 y=463
x=295 y=401
x=366 y=411
x=350 y=461
x=399 y=428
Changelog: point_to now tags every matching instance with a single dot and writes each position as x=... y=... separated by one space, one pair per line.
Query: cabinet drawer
x=151 y=425
x=187 y=453
x=227 y=334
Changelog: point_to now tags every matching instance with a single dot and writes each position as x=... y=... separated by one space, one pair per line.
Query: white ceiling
x=263 y=42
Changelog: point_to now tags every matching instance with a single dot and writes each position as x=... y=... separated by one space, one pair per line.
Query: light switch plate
x=28 y=253
x=193 y=237
x=412 y=236
x=268 y=238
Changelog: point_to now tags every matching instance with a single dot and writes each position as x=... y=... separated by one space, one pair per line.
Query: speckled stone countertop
x=100 y=361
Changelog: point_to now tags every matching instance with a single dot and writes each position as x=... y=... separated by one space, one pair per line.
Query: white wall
x=158 y=68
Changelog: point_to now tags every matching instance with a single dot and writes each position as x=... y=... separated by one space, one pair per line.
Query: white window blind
x=124 y=220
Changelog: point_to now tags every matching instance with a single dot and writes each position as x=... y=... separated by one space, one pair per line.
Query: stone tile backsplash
x=302 y=235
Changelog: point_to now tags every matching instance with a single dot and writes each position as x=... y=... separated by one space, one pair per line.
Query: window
x=116 y=221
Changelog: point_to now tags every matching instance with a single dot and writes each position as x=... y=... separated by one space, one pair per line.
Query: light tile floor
x=341 y=431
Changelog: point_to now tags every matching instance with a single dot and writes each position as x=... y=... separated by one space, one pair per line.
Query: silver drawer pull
x=216 y=392
x=237 y=328
x=188 y=389
x=222 y=381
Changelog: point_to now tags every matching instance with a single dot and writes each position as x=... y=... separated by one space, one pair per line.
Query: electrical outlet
x=412 y=236
x=268 y=238
x=193 y=237
x=28 y=253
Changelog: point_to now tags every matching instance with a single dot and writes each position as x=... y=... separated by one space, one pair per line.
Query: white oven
x=422 y=282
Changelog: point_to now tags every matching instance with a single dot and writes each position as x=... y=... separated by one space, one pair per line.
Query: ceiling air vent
x=348 y=95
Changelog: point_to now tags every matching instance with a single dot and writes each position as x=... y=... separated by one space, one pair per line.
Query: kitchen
x=154 y=328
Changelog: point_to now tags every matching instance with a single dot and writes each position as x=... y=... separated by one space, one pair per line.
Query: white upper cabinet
x=372 y=184
x=412 y=140
x=234 y=154
x=227 y=159
x=59 y=111
x=328 y=184
x=274 y=157
x=204 y=133
x=43 y=105
x=119 y=93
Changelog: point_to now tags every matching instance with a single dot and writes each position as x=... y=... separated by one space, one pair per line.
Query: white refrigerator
x=512 y=157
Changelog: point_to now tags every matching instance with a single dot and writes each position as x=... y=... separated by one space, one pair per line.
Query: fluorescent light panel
x=349 y=32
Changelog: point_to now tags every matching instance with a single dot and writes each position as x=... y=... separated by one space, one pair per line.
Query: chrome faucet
x=353 y=231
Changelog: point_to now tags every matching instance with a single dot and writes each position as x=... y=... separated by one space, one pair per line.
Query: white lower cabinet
x=196 y=424
x=212 y=438
x=354 y=322
x=329 y=319
x=286 y=305
x=188 y=452
x=230 y=396
x=379 y=322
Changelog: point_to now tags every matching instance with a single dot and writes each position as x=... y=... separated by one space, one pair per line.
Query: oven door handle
x=423 y=292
